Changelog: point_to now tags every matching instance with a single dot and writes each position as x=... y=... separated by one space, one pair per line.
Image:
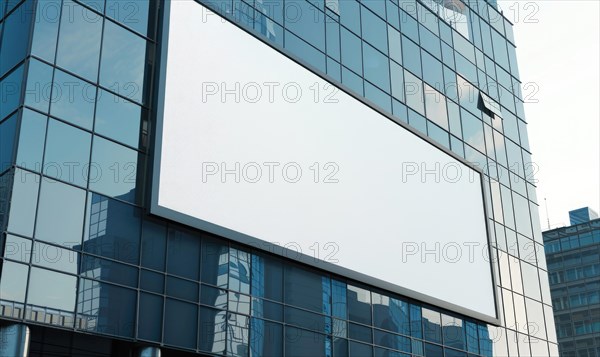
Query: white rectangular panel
x=255 y=147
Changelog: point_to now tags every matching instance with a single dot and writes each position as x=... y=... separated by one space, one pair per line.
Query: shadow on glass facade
x=81 y=254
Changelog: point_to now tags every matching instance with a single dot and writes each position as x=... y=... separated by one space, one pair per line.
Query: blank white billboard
x=255 y=147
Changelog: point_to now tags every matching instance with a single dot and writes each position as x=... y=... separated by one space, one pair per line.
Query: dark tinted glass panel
x=306 y=22
x=302 y=343
x=411 y=57
x=432 y=328
x=351 y=47
x=374 y=29
x=79 y=40
x=118 y=118
x=50 y=289
x=267 y=310
x=114 y=170
x=307 y=320
x=152 y=281
x=180 y=324
x=131 y=13
x=453 y=332
x=183 y=254
x=106 y=270
x=359 y=305
x=15 y=37
x=376 y=66
x=112 y=229
x=60 y=214
x=154 y=242
x=306 y=52
x=182 y=289
x=150 y=317
x=214 y=297
x=390 y=314
x=433 y=350
x=304 y=288
x=416 y=329
x=267 y=340
x=8 y=133
x=73 y=100
x=123 y=77
x=360 y=349
x=215 y=263
x=267 y=278
x=359 y=332
x=31 y=140
x=45 y=32
x=392 y=341
x=239 y=270
x=11 y=91
x=212 y=330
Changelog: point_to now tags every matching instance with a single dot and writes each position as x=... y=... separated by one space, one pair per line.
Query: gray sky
x=558 y=53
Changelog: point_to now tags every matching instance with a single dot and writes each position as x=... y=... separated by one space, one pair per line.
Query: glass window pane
x=359 y=305
x=306 y=22
x=56 y=258
x=413 y=88
x=432 y=71
x=150 y=317
x=376 y=67
x=267 y=278
x=15 y=37
x=304 y=288
x=123 y=62
x=435 y=107
x=131 y=13
x=267 y=340
x=213 y=297
x=73 y=100
x=116 y=168
x=112 y=229
x=11 y=92
x=473 y=130
x=106 y=270
x=8 y=133
x=374 y=29
x=31 y=140
x=45 y=31
x=13 y=281
x=50 y=289
x=17 y=248
x=213 y=330
x=306 y=52
x=24 y=202
x=391 y=314
x=183 y=254
x=432 y=329
x=359 y=349
x=411 y=56
x=392 y=341
x=118 y=119
x=182 y=289
x=350 y=49
x=302 y=343
x=152 y=281
x=60 y=214
x=154 y=242
x=106 y=308
x=79 y=40
x=239 y=271
x=453 y=332
x=39 y=85
x=215 y=263
x=67 y=153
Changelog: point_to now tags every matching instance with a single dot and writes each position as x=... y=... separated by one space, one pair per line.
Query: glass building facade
x=84 y=264
x=573 y=255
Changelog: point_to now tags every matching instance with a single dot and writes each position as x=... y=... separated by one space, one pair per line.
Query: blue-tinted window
x=359 y=304
x=183 y=254
x=304 y=51
x=395 y=45
x=24 y=202
x=351 y=48
x=350 y=15
x=390 y=340
x=271 y=343
x=106 y=308
x=215 y=263
x=150 y=317
x=411 y=57
x=352 y=81
x=182 y=289
x=154 y=241
x=73 y=100
x=397 y=81
x=46 y=29
x=118 y=118
x=79 y=40
x=52 y=290
x=374 y=29
x=60 y=214
x=304 y=289
x=430 y=42
x=413 y=89
x=306 y=22
x=107 y=270
x=213 y=324
x=360 y=349
x=376 y=66
x=112 y=229
x=416 y=328
x=67 y=153
x=152 y=281
x=408 y=25
x=15 y=37
x=8 y=133
x=303 y=343
x=333 y=39
x=453 y=332
x=267 y=278
x=10 y=89
x=377 y=96
x=180 y=324
x=432 y=71
x=39 y=85
x=131 y=13
x=271 y=8
x=116 y=170
x=472 y=340
x=360 y=332
x=435 y=107
x=432 y=325
x=122 y=69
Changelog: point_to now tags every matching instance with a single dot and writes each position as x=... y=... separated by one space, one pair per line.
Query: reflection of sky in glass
x=118 y=118
x=122 y=68
x=13 y=281
x=73 y=100
x=117 y=166
x=79 y=42
x=50 y=289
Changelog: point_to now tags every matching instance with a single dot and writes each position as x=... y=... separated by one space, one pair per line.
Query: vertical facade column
x=14 y=340
x=149 y=352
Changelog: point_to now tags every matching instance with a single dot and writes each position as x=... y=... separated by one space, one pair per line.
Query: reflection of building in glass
x=582 y=215
x=573 y=255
